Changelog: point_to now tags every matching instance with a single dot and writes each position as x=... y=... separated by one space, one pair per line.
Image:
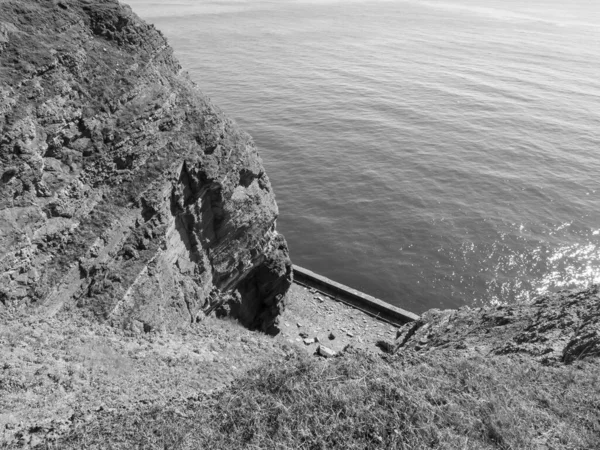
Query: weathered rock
x=561 y=327
x=123 y=189
x=325 y=351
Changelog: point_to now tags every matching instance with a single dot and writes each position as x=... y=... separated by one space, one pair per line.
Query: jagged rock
x=123 y=190
x=560 y=327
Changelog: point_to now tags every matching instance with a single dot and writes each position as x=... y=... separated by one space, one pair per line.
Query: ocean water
x=430 y=153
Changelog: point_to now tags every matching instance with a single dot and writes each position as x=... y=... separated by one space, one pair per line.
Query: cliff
x=124 y=191
x=132 y=209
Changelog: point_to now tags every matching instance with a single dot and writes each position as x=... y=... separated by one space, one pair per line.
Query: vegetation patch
x=359 y=401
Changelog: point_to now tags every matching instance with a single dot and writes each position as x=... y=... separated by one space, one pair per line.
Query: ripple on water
x=431 y=155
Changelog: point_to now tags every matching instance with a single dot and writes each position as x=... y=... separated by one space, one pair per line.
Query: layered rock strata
x=123 y=190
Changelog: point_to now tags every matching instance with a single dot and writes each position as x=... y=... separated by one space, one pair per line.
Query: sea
x=434 y=154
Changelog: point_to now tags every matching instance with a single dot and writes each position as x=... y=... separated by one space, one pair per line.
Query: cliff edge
x=555 y=329
x=123 y=190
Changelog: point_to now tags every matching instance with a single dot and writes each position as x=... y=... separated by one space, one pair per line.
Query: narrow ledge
x=359 y=300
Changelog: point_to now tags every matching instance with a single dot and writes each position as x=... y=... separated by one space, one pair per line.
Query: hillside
x=71 y=383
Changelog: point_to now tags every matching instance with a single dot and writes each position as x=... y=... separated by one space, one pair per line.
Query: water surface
x=430 y=153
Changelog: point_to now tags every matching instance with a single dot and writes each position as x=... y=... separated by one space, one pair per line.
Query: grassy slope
x=56 y=372
x=357 y=401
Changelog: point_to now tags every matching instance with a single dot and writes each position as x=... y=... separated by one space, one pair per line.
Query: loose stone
x=326 y=352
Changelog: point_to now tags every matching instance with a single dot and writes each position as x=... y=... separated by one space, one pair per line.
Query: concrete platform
x=359 y=300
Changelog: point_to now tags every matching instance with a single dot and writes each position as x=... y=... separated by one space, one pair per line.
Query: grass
x=359 y=401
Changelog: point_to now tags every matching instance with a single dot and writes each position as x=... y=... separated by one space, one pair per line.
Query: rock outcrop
x=123 y=190
x=556 y=328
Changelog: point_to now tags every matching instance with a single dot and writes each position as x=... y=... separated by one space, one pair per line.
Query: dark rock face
x=123 y=189
x=560 y=327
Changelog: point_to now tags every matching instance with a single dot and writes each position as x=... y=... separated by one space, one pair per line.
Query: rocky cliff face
x=123 y=190
x=556 y=328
